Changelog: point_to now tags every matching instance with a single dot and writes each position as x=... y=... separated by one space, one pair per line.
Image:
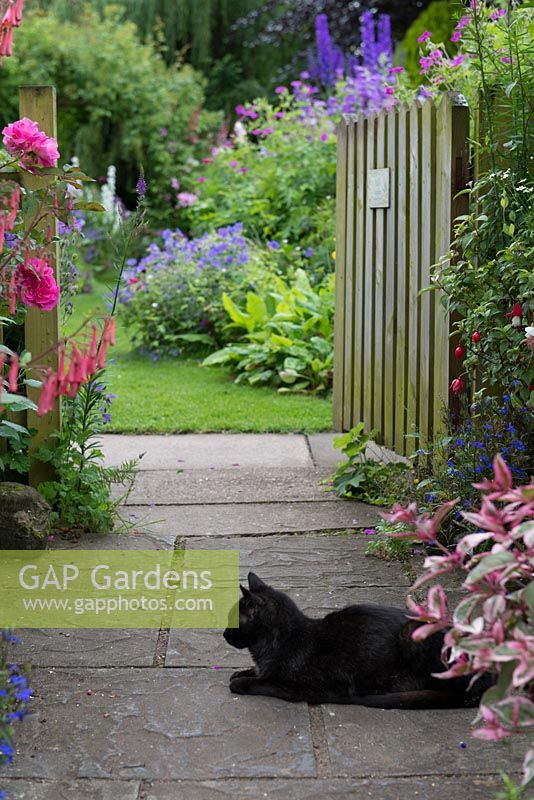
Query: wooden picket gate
x=398 y=176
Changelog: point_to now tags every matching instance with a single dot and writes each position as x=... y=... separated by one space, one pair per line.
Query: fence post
x=42 y=327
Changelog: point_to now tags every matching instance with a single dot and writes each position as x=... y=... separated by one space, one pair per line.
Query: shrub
x=452 y=464
x=272 y=177
x=289 y=335
x=490 y=629
x=279 y=164
x=130 y=111
x=172 y=298
x=487 y=279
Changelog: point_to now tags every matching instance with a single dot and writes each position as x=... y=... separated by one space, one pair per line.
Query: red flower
x=476 y=337
x=515 y=315
x=459 y=352
x=516 y=311
x=457 y=386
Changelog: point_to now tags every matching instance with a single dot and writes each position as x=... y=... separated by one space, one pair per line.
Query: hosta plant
x=491 y=629
x=288 y=336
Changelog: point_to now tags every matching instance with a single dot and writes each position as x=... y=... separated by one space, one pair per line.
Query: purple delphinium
x=328 y=61
x=367 y=40
x=384 y=46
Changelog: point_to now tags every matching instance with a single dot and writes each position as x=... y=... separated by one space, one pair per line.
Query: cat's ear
x=255 y=584
x=244 y=591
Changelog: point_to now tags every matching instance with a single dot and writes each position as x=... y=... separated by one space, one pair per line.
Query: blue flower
x=7 y=636
x=7 y=751
x=308 y=253
x=460 y=442
x=273 y=245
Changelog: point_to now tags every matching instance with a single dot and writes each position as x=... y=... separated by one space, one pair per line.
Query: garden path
x=159 y=722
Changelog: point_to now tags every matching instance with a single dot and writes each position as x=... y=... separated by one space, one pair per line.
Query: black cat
x=362 y=655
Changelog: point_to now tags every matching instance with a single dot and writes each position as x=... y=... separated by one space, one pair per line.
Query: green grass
x=174 y=395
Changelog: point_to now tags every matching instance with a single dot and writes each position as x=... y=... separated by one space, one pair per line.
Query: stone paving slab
x=250 y=519
x=237 y=485
x=71 y=790
x=193 y=648
x=367 y=741
x=202 y=451
x=130 y=540
x=475 y=788
x=87 y=647
x=317 y=561
x=158 y=725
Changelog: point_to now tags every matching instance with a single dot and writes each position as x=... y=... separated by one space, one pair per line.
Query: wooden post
x=42 y=329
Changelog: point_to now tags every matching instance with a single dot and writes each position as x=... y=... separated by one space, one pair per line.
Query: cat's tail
x=419 y=699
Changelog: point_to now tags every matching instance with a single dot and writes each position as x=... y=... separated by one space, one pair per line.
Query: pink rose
x=27 y=141
x=36 y=284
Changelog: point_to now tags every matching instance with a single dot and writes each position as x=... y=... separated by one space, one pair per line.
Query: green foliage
x=173 y=298
x=17 y=440
x=288 y=342
x=362 y=478
x=382 y=545
x=81 y=495
x=510 y=790
x=273 y=184
x=493 y=251
x=437 y=18
x=450 y=465
x=115 y=98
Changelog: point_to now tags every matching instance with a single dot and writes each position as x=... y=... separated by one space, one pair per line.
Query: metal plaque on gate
x=378 y=188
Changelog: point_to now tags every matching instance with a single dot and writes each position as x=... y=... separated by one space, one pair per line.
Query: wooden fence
x=41 y=328
x=398 y=176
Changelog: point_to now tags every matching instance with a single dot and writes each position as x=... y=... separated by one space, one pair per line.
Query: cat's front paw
x=242 y=685
x=244 y=673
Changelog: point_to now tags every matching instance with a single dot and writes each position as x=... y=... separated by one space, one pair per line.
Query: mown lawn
x=171 y=395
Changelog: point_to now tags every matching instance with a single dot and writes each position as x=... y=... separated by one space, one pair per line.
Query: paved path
x=160 y=723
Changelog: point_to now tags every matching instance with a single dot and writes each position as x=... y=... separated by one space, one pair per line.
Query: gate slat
x=360 y=286
x=414 y=267
x=402 y=348
x=367 y=343
x=390 y=285
x=379 y=294
x=339 y=326
x=349 y=281
x=426 y=301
